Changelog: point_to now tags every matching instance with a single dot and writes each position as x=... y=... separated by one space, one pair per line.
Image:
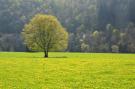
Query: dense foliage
x=93 y=25
x=45 y=33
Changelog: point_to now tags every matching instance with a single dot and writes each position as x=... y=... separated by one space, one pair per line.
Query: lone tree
x=45 y=33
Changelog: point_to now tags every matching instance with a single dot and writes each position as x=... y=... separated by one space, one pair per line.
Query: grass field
x=67 y=71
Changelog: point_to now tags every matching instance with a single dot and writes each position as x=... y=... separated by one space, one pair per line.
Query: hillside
x=93 y=25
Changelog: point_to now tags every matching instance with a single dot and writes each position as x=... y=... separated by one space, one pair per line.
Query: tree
x=115 y=49
x=84 y=47
x=45 y=33
x=109 y=31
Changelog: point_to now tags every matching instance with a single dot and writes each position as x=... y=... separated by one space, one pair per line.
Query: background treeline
x=93 y=25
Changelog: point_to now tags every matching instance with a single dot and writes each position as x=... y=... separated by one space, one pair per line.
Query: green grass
x=67 y=71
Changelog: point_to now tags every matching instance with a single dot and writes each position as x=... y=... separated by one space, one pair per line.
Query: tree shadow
x=58 y=57
x=39 y=57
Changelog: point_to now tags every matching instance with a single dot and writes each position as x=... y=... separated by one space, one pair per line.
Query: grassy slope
x=67 y=71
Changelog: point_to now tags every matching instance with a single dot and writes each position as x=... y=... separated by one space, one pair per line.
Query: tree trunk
x=46 y=54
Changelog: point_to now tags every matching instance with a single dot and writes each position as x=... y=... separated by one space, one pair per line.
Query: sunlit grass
x=67 y=71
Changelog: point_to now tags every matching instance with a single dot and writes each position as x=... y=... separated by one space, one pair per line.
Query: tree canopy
x=45 y=33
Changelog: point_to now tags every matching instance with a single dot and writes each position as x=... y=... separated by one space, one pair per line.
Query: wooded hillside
x=93 y=25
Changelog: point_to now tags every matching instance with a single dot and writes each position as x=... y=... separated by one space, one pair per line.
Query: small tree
x=45 y=33
x=115 y=49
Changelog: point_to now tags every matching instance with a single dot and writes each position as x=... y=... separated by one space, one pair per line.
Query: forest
x=93 y=25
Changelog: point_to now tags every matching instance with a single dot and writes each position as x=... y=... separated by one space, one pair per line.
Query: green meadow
x=67 y=71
